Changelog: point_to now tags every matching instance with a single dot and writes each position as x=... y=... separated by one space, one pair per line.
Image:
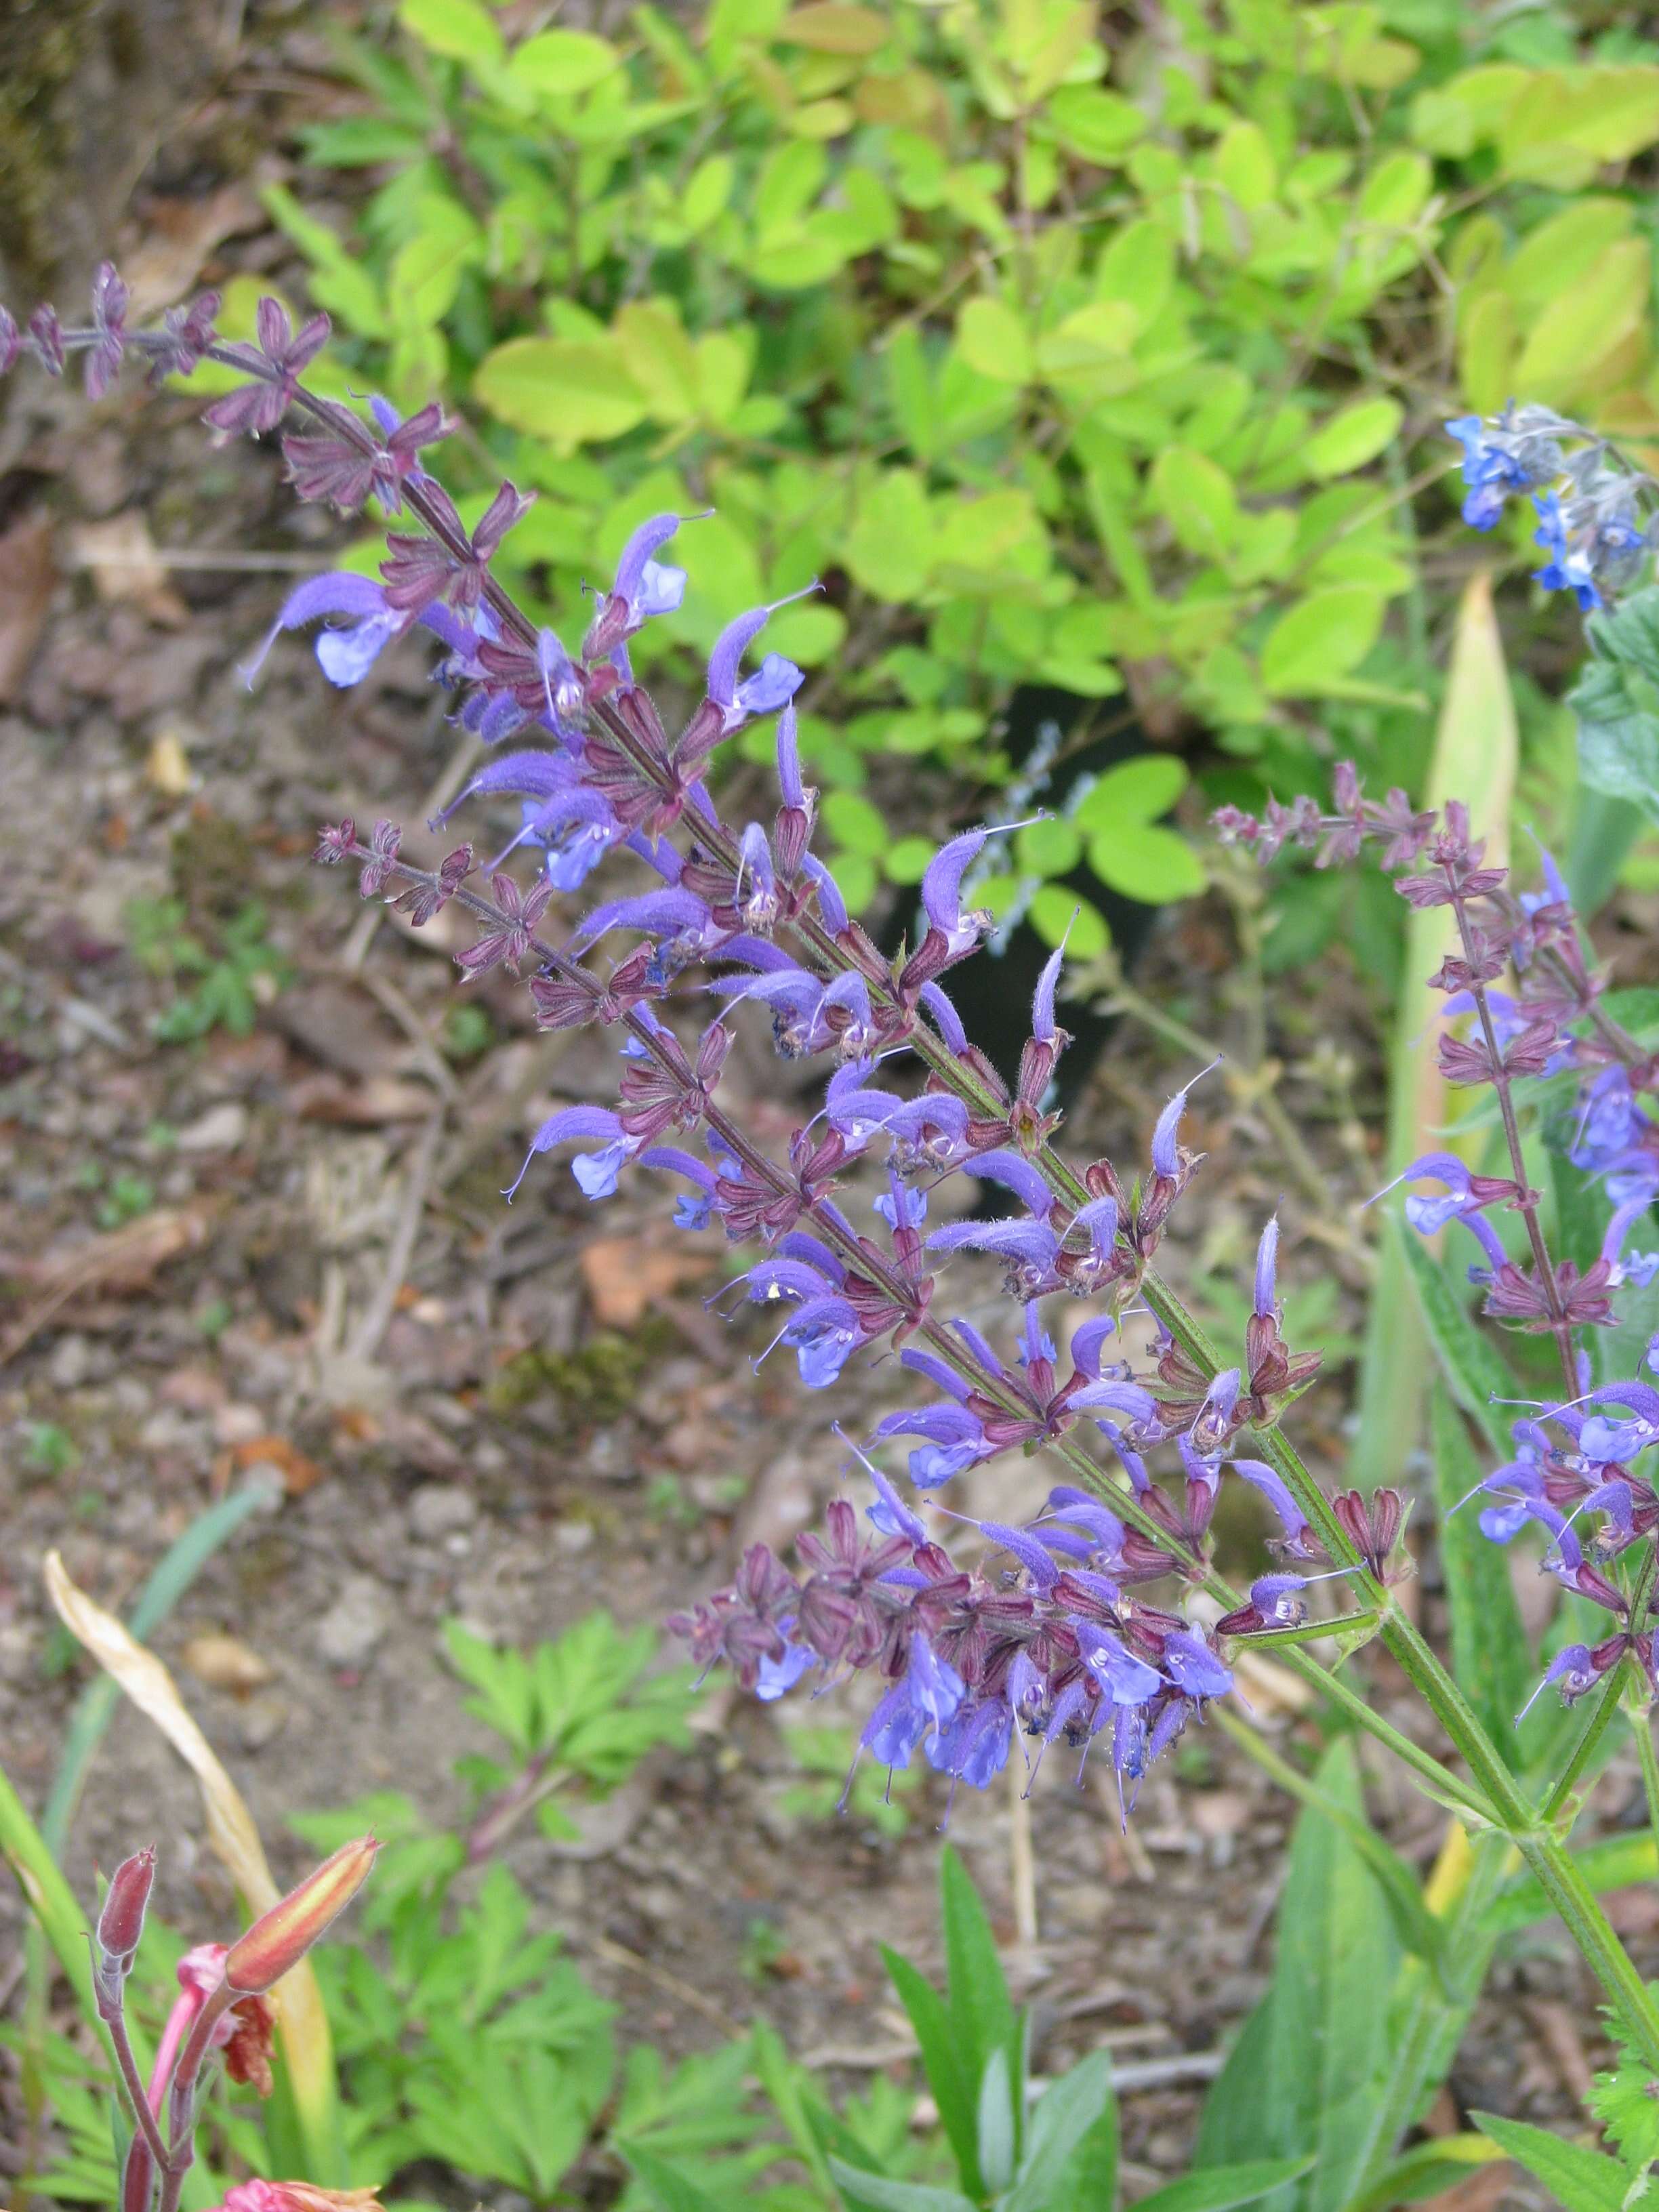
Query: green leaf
x=557 y=64
x=1096 y=126
x=994 y=2133
x=707 y=192
x=1306 y=2074
x=944 y=2061
x=1583 y=2179
x=981 y=2014
x=1349 y=440
x=573 y=391
x=1616 y=701
x=1197 y=500
x=855 y=823
x=1075 y=2113
x=876 y=2193
x=1319 y=641
x=993 y=339
x=888 y=550
x=1217 y=2188
x=1490 y=1659
x=672 y=2190
x=1474 y=1369
x=1059 y=916
x=1142 y=861
x=460 y=30
x=1135 y=791
x=1051 y=847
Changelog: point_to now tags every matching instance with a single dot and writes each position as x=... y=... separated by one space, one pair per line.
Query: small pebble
x=355 y=1624
x=440 y=1508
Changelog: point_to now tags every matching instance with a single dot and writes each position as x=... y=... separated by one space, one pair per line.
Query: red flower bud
x=279 y=1939
x=121 y=1923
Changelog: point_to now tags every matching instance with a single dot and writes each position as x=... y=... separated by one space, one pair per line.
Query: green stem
x=1564 y=1884
x=1642 y=1723
x=1600 y=1720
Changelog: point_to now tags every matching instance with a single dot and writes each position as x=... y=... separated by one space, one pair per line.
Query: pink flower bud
x=121 y=1923
x=279 y=1939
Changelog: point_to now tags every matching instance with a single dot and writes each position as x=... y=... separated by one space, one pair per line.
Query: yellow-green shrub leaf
x=808 y=634
x=1138 y=267
x=834 y=27
x=991 y=338
x=1245 y=165
x=1048 y=848
x=907 y=860
x=707 y=194
x=1487 y=340
x=1579 y=330
x=1056 y=911
x=1349 y=440
x=889 y=549
x=571 y=391
x=460 y=30
x=660 y=359
x=556 y=64
x=1318 y=640
x=1143 y=862
x=426 y=273
x=1093 y=337
x=1395 y=191
x=1468 y=110
x=1134 y=791
x=1096 y=126
x=1195 y=497
x=855 y=823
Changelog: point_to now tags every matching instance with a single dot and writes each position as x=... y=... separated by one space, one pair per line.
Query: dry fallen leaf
x=119 y=1264
x=27 y=577
x=225 y=1663
x=178 y=236
x=299 y=1473
x=626 y=1276
x=124 y=565
x=140 y=1673
x=362 y=1105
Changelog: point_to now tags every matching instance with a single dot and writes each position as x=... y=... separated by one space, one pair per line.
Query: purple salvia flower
x=260 y=405
x=597 y=1172
x=346 y=655
x=1265 y=1304
x=46 y=335
x=773 y=684
x=109 y=315
x=1167 y=1159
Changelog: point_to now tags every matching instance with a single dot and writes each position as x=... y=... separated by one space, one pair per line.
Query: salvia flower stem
x=1059 y=1644
x=1414 y=1656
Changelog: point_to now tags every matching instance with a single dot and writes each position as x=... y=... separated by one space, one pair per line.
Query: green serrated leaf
x=1583 y=2179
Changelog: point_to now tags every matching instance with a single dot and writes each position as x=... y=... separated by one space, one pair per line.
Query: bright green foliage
x=1580 y=2180
x=583 y=1709
x=1625 y=2102
x=1309 y=2072
x=876 y=1798
x=1056 y=358
x=231 y=975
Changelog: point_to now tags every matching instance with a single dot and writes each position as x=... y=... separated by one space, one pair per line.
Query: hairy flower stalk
x=221 y=2008
x=1058 y=1642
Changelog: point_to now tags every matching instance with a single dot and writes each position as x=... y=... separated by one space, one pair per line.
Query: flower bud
x=121 y=1923
x=279 y=1939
